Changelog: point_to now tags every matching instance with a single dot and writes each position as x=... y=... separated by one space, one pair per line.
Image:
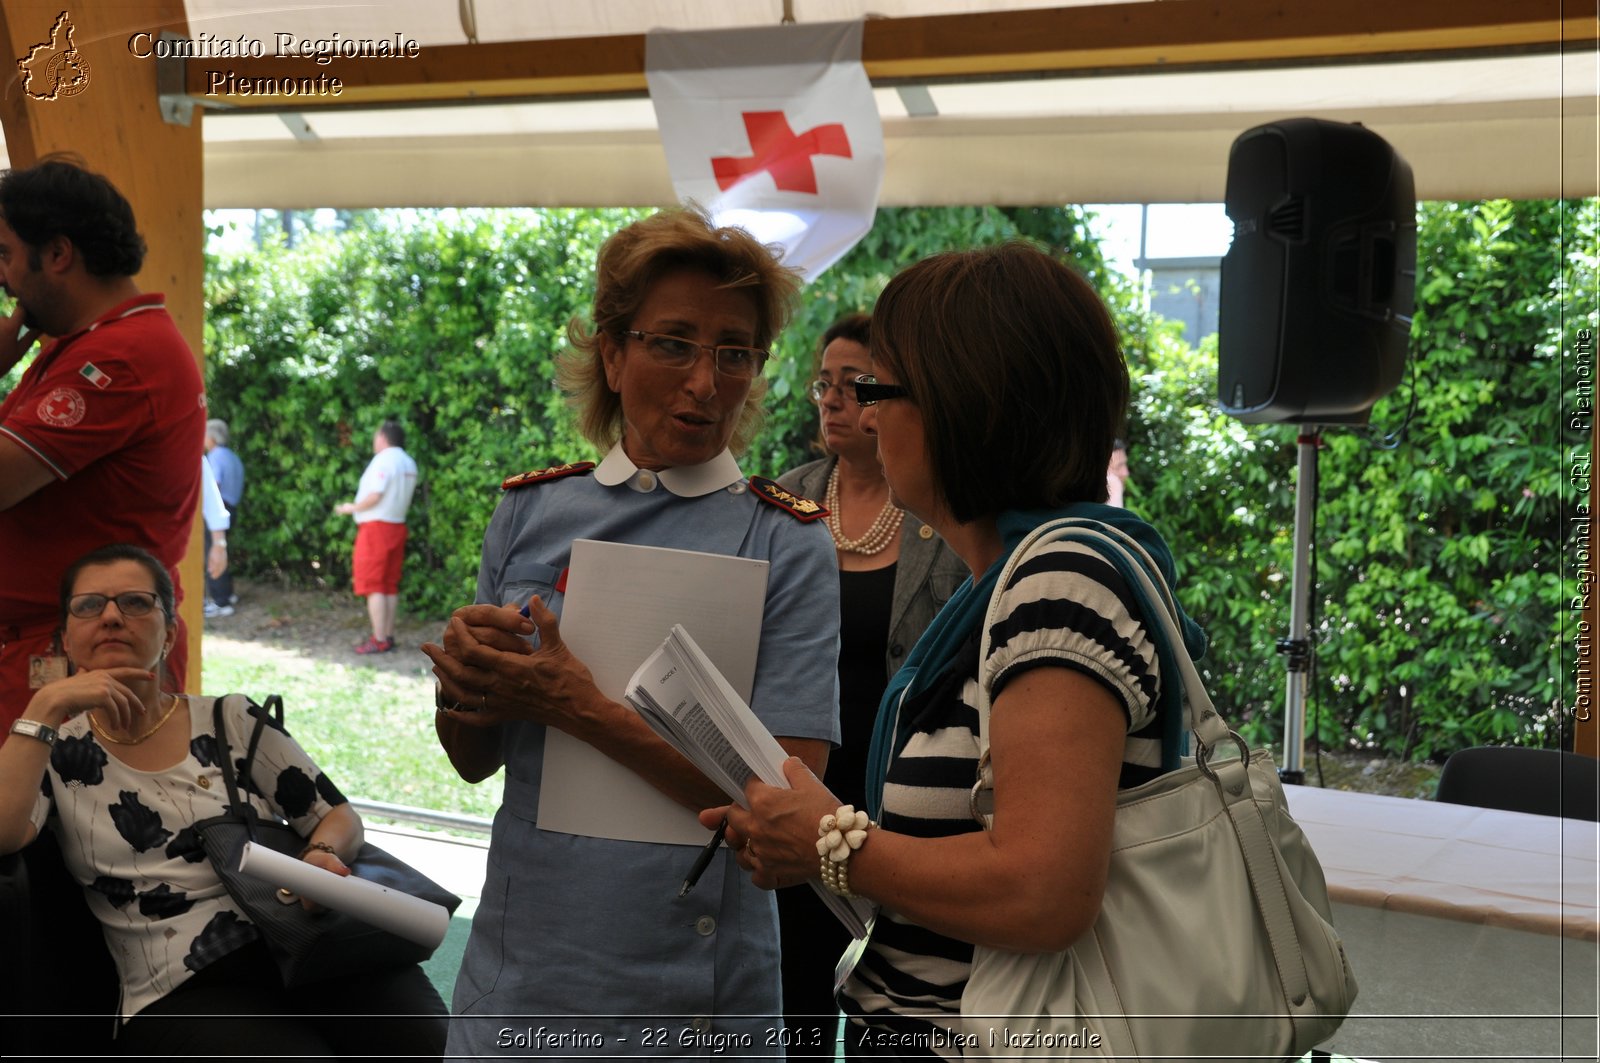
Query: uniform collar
x=686 y=481
x=138 y=304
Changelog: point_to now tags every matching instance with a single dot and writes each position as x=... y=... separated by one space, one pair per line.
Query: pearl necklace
x=118 y=740
x=884 y=527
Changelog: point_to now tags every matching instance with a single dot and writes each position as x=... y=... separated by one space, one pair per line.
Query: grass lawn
x=370 y=730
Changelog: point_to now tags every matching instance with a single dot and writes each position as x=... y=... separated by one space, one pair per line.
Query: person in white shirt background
x=382 y=498
x=218 y=519
x=228 y=470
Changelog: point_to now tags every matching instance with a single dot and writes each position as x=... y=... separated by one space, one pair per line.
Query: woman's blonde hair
x=630 y=263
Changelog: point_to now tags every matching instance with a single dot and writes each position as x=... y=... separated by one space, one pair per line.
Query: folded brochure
x=688 y=702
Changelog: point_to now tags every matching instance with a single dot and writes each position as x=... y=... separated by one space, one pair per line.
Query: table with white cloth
x=1473 y=932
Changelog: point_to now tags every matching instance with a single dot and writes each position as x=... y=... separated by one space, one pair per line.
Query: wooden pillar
x=111 y=117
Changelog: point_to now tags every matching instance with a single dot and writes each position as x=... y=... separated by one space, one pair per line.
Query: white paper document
x=387 y=909
x=684 y=698
x=621 y=601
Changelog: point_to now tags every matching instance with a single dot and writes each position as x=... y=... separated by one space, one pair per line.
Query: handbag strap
x=274 y=710
x=1231 y=777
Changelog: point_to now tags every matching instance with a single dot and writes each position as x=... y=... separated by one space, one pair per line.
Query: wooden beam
x=113 y=123
x=1127 y=37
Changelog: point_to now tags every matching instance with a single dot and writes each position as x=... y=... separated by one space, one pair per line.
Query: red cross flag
x=773 y=129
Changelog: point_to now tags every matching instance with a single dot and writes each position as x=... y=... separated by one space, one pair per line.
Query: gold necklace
x=109 y=737
x=878 y=537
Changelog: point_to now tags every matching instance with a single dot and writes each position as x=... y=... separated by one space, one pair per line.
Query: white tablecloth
x=1472 y=932
x=1476 y=865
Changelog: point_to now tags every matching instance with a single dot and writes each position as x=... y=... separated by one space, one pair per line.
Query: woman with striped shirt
x=998 y=386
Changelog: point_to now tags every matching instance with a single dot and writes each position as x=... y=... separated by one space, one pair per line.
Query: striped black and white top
x=1065 y=607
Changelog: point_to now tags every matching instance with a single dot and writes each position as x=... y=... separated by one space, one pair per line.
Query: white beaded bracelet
x=838 y=835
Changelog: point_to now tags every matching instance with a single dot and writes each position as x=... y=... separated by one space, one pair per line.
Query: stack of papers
x=688 y=702
x=621 y=601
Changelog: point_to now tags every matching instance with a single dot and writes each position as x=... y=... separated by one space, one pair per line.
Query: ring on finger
x=483 y=702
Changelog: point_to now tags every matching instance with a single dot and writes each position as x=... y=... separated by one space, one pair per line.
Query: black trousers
x=813 y=939
x=237 y=1006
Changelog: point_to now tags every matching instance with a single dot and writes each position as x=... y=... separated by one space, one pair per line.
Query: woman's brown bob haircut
x=630 y=263
x=855 y=327
x=1014 y=363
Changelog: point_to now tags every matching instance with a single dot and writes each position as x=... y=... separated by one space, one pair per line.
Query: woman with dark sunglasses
x=997 y=386
x=894 y=575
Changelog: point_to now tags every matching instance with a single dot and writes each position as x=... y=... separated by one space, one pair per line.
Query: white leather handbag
x=1214 y=939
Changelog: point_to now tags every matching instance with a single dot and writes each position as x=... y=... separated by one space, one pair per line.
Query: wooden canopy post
x=102 y=105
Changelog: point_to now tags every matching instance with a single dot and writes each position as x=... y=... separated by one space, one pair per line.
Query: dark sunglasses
x=869 y=392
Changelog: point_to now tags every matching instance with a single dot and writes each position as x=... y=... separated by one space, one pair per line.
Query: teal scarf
x=935 y=651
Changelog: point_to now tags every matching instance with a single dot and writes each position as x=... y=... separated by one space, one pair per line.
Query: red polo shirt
x=117 y=413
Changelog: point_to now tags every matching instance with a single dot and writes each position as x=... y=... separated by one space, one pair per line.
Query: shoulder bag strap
x=269 y=713
x=236 y=803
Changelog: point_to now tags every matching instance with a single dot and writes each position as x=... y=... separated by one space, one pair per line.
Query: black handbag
x=308 y=947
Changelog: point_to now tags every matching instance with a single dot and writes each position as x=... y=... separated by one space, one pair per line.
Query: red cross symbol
x=781 y=153
x=59 y=406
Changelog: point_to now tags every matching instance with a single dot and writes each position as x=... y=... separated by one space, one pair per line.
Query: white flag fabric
x=772 y=129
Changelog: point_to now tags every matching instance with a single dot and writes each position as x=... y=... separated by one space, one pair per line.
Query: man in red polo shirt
x=101 y=440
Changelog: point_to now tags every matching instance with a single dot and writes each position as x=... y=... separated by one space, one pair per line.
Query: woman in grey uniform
x=580 y=945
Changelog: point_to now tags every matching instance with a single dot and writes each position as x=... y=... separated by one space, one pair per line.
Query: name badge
x=45 y=668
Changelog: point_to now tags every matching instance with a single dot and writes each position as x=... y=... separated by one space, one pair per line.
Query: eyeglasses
x=129 y=603
x=869 y=392
x=675 y=352
x=820 y=388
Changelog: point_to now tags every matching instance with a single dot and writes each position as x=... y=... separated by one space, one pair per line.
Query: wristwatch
x=34 y=729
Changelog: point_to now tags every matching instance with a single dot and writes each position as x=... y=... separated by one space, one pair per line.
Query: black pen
x=703 y=861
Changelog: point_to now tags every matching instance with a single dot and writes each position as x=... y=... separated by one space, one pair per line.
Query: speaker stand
x=1297 y=647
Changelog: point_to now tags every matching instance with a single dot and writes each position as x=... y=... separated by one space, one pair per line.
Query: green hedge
x=1439 y=609
x=451 y=321
x=1439 y=596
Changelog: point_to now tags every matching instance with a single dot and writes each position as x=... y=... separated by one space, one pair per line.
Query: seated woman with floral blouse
x=121 y=771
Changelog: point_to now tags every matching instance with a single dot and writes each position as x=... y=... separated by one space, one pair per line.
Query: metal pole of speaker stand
x=1297 y=647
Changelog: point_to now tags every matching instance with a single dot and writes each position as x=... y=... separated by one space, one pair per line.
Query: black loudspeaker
x=1320 y=280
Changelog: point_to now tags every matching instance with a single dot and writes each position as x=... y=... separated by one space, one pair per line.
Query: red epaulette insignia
x=539 y=476
x=797 y=506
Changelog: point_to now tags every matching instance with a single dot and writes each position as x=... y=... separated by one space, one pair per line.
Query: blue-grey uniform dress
x=580 y=946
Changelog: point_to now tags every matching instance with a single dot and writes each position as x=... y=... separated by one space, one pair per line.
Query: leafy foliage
x=448 y=322
x=1439 y=601
x=451 y=322
x=1439 y=594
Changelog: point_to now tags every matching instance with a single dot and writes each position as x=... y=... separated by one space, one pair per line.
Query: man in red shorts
x=100 y=441
x=382 y=498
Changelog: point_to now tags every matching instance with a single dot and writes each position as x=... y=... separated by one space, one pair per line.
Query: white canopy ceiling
x=1518 y=120
x=1470 y=128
